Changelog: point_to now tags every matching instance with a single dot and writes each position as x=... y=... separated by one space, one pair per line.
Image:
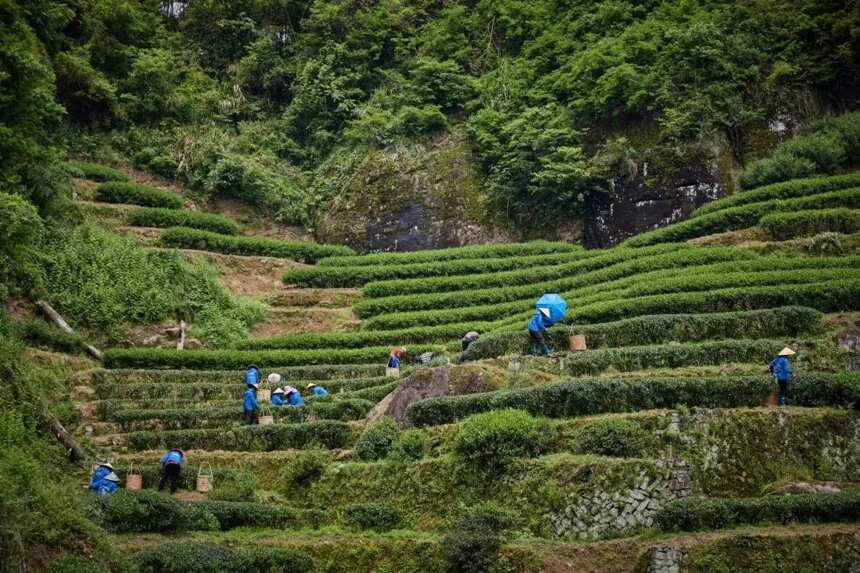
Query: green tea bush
x=304 y=469
x=345 y=276
x=490 y=442
x=584 y=397
x=783 y=226
x=136 y=194
x=376 y=441
x=324 y=433
x=191 y=557
x=697 y=514
x=71 y=564
x=332 y=374
x=783 y=190
x=203 y=359
x=509 y=279
x=452 y=254
x=158 y=217
x=95 y=172
x=410 y=446
x=232 y=514
x=786 y=321
x=612 y=437
x=153 y=392
x=185 y=238
x=472 y=544
x=744 y=216
x=824 y=146
x=141 y=512
x=373 y=394
x=379 y=516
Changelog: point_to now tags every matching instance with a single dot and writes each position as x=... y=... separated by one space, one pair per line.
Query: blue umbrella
x=555 y=304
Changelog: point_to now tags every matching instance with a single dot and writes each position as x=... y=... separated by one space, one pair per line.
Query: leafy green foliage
x=825 y=146
x=95 y=171
x=584 y=397
x=136 y=194
x=376 y=441
x=612 y=437
x=696 y=514
x=472 y=544
x=661 y=328
x=490 y=442
x=190 y=557
x=410 y=446
x=305 y=469
x=782 y=226
x=39 y=332
x=379 y=516
x=20 y=230
x=185 y=238
x=157 y=217
x=104 y=281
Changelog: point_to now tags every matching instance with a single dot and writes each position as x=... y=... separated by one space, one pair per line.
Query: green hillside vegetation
x=220 y=133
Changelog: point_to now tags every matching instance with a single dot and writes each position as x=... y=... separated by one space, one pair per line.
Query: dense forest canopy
x=271 y=100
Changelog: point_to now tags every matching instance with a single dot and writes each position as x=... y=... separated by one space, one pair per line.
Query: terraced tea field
x=657 y=449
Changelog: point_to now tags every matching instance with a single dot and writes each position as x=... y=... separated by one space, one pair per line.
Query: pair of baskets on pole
x=205 y=478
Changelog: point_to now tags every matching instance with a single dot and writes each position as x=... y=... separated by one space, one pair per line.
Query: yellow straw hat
x=787 y=352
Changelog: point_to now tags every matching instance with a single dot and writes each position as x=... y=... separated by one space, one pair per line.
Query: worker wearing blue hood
x=537 y=326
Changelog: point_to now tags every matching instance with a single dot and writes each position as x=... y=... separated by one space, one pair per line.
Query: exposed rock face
x=430 y=383
x=641 y=202
x=411 y=198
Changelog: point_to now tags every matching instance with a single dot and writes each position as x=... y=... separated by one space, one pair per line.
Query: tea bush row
x=94 y=171
x=148 y=511
x=743 y=216
x=828 y=296
x=363 y=338
x=502 y=250
x=646 y=270
x=783 y=226
x=302 y=251
x=529 y=276
x=783 y=190
x=136 y=194
x=357 y=276
x=584 y=397
x=296 y=374
x=151 y=475
x=375 y=516
x=343 y=409
x=195 y=557
x=324 y=433
x=203 y=359
x=787 y=321
x=158 y=217
x=697 y=514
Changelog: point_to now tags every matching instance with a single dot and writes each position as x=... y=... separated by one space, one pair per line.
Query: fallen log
x=64 y=326
x=76 y=452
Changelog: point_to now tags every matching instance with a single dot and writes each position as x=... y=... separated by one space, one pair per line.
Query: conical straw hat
x=787 y=352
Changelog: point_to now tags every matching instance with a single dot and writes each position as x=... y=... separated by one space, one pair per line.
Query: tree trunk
x=60 y=322
x=76 y=452
x=181 y=344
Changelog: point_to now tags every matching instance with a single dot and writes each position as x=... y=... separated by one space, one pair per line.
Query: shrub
x=94 y=171
x=376 y=441
x=204 y=359
x=612 y=437
x=75 y=565
x=238 y=486
x=297 y=375
x=783 y=190
x=191 y=557
x=305 y=469
x=782 y=226
x=139 y=512
x=185 y=238
x=136 y=194
x=157 y=217
x=696 y=514
x=410 y=446
x=661 y=328
x=39 y=332
x=583 y=397
x=232 y=514
x=376 y=516
x=439 y=255
x=324 y=433
x=472 y=544
x=491 y=441
x=743 y=216
x=345 y=276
